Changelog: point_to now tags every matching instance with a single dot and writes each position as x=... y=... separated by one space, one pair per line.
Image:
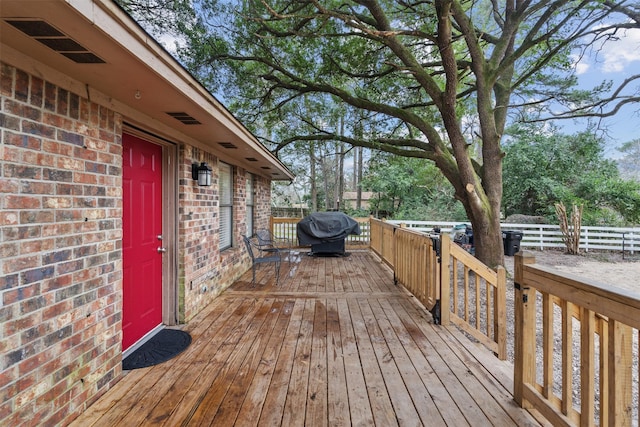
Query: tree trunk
x=354 y=178
x=312 y=177
x=340 y=176
x=359 y=178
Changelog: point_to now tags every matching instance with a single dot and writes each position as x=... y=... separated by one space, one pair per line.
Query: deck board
x=335 y=343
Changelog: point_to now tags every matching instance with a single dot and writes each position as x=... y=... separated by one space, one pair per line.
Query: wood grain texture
x=336 y=343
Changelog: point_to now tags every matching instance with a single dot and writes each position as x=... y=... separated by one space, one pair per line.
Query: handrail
x=461 y=290
x=478 y=296
x=592 y=327
x=382 y=240
x=416 y=266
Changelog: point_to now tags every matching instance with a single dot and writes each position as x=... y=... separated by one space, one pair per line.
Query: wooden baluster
x=587 y=368
x=525 y=330
x=620 y=369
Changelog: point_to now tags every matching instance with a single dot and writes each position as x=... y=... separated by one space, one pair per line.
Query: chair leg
x=254 y=274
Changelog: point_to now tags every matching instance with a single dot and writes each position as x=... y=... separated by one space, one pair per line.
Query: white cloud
x=581 y=66
x=618 y=55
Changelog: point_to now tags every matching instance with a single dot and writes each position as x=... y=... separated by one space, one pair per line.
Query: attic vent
x=252 y=159
x=265 y=167
x=54 y=39
x=184 y=118
x=227 y=145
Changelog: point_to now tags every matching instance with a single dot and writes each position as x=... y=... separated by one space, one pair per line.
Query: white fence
x=541 y=236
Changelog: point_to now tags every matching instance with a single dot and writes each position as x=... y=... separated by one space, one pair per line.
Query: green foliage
x=543 y=167
x=629 y=164
x=409 y=188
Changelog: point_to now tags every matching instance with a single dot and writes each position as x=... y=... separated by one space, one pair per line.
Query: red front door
x=141 y=239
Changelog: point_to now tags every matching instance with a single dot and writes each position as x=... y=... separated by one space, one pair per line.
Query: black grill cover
x=321 y=227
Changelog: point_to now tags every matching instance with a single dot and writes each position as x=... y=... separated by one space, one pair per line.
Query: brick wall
x=204 y=270
x=60 y=254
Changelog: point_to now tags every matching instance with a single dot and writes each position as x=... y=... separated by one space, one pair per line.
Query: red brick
x=8 y=376
x=44 y=159
x=21 y=85
x=19 y=264
x=56 y=310
x=9 y=218
x=85 y=152
x=37 y=92
x=69 y=189
x=23 y=141
x=74 y=106
x=57 y=229
x=33 y=363
x=85 y=178
x=15 y=326
x=8 y=122
x=37 y=187
x=23 y=111
x=7 y=74
x=62 y=106
x=38 y=128
x=55 y=147
x=15 y=201
x=36 y=217
x=50 y=96
x=9 y=185
x=33 y=304
x=8 y=250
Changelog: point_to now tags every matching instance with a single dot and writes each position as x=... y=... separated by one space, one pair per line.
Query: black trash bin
x=511 y=242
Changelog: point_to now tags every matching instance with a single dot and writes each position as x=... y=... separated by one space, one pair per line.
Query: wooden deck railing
x=476 y=295
x=285 y=228
x=416 y=266
x=454 y=286
x=575 y=357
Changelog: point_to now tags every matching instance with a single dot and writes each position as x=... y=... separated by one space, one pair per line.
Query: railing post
x=445 y=279
x=524 y=364
x=500 y=313
x=620 y=374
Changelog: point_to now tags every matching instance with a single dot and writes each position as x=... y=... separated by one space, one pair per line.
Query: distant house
x=106 y=237
x=350 y=199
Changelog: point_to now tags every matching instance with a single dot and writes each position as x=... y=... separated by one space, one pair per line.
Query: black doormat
x=161 y=347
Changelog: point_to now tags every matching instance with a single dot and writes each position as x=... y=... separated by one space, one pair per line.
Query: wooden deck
x=335 y=344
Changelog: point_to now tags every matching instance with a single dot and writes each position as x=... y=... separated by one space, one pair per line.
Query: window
x=226 y=205
x=250 y=205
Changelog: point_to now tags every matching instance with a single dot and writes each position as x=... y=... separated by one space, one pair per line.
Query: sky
x=617 y=61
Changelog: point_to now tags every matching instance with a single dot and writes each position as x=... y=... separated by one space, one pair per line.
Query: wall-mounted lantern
x=202 y=174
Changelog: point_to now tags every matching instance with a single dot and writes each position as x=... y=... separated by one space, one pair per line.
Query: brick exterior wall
x=204 y=270
x=60 y=247
x=60 y=254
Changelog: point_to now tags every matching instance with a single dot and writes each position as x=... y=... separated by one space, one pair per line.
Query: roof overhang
x=106 y=56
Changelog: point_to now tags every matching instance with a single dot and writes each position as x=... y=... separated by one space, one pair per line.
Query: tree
x=629 y=164
x=409 y=188
x=543 y=167
x=421 y=79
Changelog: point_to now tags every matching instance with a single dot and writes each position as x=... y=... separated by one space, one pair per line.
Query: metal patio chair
x=273 y=257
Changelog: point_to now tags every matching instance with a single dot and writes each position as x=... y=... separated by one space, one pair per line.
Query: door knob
x=162 y=250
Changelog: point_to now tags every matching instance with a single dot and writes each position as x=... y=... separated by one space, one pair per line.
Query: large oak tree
x=434 y=79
